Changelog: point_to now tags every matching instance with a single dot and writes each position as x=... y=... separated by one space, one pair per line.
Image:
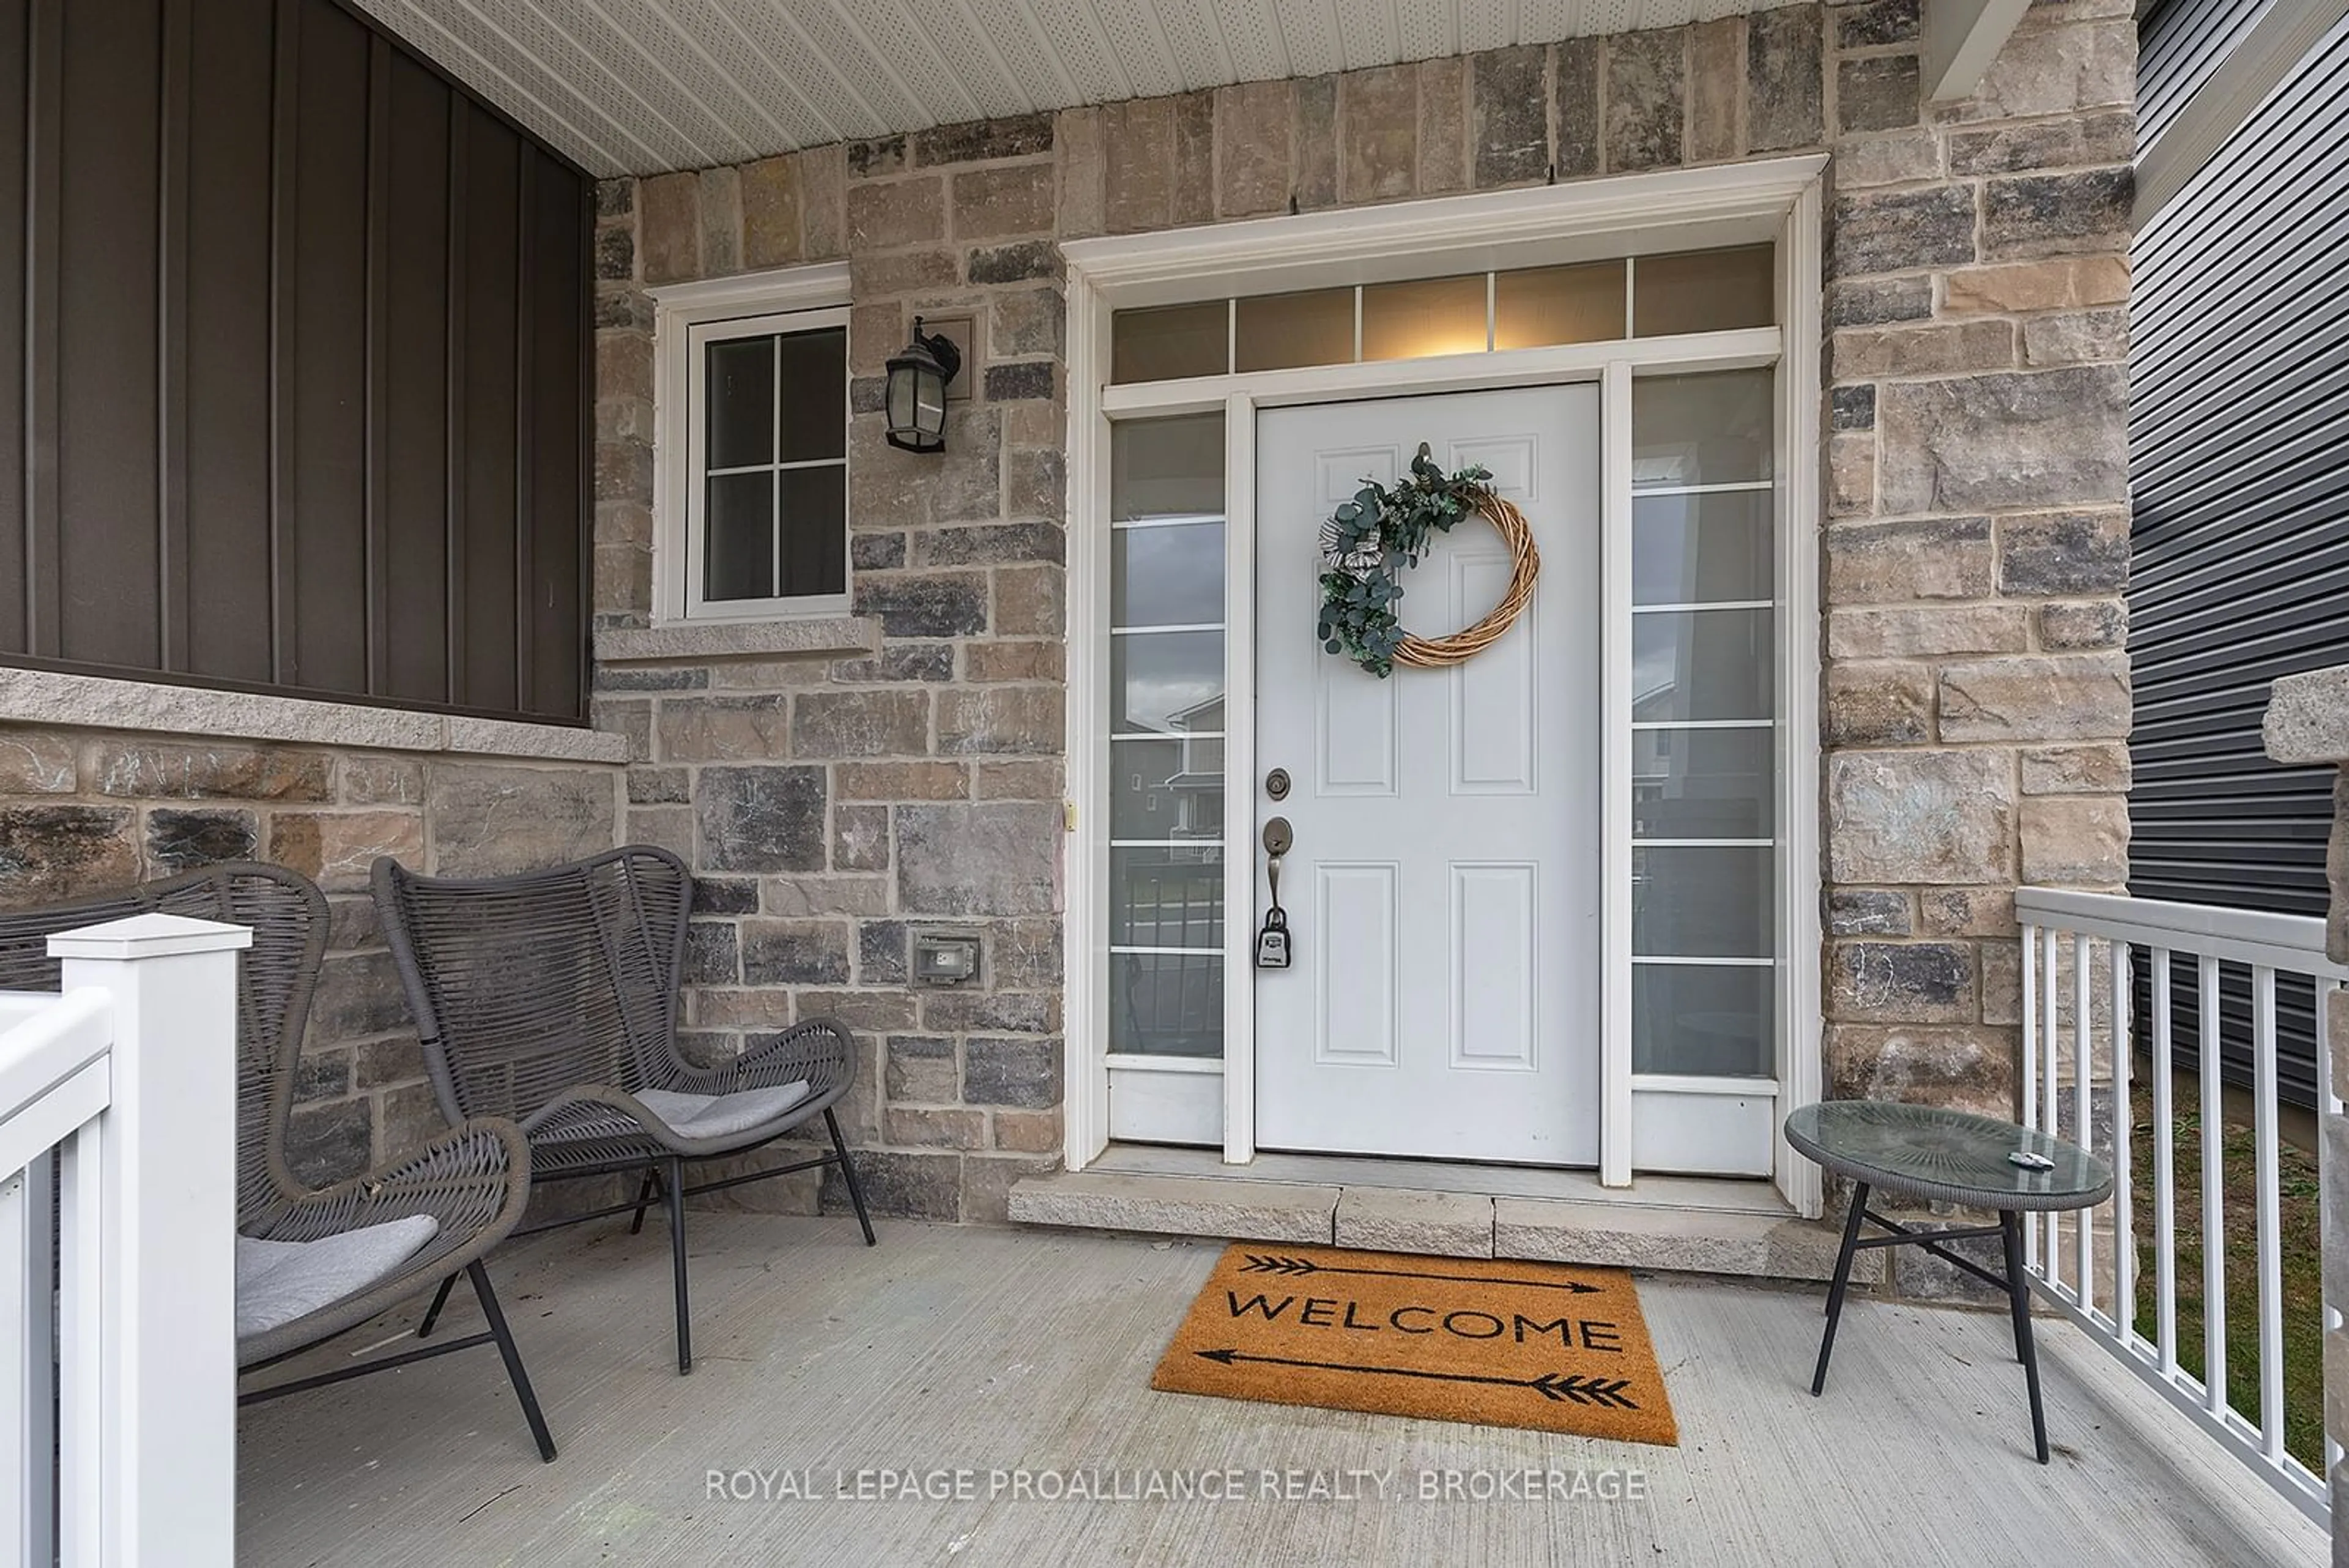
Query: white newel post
x=163 y=1413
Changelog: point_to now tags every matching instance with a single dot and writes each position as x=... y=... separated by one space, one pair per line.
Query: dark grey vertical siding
x=2239 y=461
x=293 y=350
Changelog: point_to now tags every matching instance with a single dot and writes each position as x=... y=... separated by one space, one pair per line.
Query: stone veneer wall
x=85 y=810
x=1976 y=541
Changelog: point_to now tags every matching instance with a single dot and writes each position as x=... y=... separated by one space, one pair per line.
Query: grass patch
x=2301 y=1240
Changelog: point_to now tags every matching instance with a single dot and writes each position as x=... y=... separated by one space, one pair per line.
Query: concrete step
x=1779 y=1246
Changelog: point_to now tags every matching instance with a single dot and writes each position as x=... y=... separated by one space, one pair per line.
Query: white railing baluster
x=82 y=1232
x=2031 y=1046
x=2214 y=1228
x=2164 y=1172
x=24 y=1473
x=2050 y=1258
x=2124 y=1135
x=2267 y=1204
x=2328 y=996
x=2265 y=946
x=2083 y=1124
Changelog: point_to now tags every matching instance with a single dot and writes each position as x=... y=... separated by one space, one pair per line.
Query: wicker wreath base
x=1525 y=566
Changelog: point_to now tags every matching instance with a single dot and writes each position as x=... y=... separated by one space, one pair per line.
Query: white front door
x=1445 y=887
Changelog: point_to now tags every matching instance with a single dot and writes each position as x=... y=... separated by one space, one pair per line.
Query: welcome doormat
x=1543 y=1346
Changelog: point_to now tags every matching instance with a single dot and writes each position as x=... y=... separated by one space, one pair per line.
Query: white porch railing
x=118 y=1362
x=2082 y=1013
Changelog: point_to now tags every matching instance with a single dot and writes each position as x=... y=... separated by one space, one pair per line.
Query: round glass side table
x=1925 y=1151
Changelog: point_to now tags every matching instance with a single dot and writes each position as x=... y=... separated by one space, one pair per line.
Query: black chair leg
x=848 y=1174
x=675 y=1185
x=432 y=1312
x=2018 y=1290
x=504 y=1336
x=1842 y=1281
x=645 y=1196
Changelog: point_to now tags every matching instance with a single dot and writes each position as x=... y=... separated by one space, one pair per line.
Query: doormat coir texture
x=1545 y=1345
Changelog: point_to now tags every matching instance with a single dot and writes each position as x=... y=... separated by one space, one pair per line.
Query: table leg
x=2018 y=1288
x=1842 y=1278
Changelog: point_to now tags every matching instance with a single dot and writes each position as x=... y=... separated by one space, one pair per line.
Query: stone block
x=1313 y=136
x=1576 y=64
x=1966 y=912
x=860 y=838
x=2057 y=283
x=1902 y=982
x=338 y=849
x=1785 y=95
x=1651 y=1236
x=794 y=953
x=712 y=954
x=2080 y=696
x=137 y=766
x=725 y=896
x=2075 y=841
x=902 y=780
x=2097 y=623
x=963 y=1010
x=49 y=853
x=378 y=1063
x=935 y=1129
x=721 y=221
x=922 y=1068
x=632 y=722
x=1024 y=378
x=876 y=277
x=661 y=787
x=1026 y=954
x=1026 y=321
x=2058 y=215
x=1017 y=780
x=995 y=858
x=32 y=762
x=1851 y=408
x=1897 y=231
x=669 y=228
x=910 y=1186
x=2058 y=70
x=1938 y=349
x=2077 y=337
x=1028 y=601
x=327 y=1142
x=1179 y=1205
x=1508 y=116
x=1878 y=704
x=1647 y=97
x=725 y=729
x=927 y=662
x=1015 y=199
x=1851 y=474
x=1424 y=1224
x=978 y=140
x=1937 y=558
x=939 y=604
x=1878 y=22
x=358 y=995
x=876 y=157
x=2068 y=142
x=988 y=1181
x=1878 y=92
x=2065 y=553
x=183 y=840
x=1377 y=133
x=616 y=198
x=1965 y=1067
x=1035 y=484
x=1077 y=133
x=1013 y=718
x=2102 y=768
x=1194 y=194
x=872 y=723
x=1870 y=302
x=1138 y=160
x=1031 y=661
x=762 y=818
x=769 y=191
x=1908 y=157
x=1928 y=632
x=1716 y=74
x=1021 y=1071
x=881 y=949
x=893 y=488
x=1029 y=1132
x=896 y=213
x=1443 y=149
x=1252 y=135
x=1868 y=912
x=2034 y=439
x=1927 y=817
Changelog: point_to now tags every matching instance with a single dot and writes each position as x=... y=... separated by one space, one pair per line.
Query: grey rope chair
x=550 y=998
x=471 y=1181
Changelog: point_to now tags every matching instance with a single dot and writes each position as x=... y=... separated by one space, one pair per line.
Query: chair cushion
x=722 y=1115
x=277 y=1282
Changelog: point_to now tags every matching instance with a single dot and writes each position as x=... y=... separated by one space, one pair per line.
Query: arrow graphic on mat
x=1259 y=1263
x=1561 y=1387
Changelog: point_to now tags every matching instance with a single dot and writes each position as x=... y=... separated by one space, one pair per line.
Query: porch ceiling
x=638 y=87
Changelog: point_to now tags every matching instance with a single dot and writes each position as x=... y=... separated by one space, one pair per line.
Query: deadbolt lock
x=1275 y=784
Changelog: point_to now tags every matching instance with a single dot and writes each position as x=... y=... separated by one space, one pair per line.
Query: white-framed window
x=751 y=448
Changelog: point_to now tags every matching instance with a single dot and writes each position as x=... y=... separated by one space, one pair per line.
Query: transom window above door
x=1466 y=313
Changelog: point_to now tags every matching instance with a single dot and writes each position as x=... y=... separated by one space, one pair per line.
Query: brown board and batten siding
x=297 y=397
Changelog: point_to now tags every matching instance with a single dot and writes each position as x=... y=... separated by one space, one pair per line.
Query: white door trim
x=1774 y=199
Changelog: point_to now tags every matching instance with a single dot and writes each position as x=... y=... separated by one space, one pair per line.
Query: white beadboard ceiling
x=638 y=87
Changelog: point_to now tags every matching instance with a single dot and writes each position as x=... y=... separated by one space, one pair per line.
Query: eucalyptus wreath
x=1367 y=543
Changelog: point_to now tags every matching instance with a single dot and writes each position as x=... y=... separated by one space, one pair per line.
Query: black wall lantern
x=918 y=375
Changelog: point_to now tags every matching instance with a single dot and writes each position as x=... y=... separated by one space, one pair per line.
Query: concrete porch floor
x=993 y=1348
